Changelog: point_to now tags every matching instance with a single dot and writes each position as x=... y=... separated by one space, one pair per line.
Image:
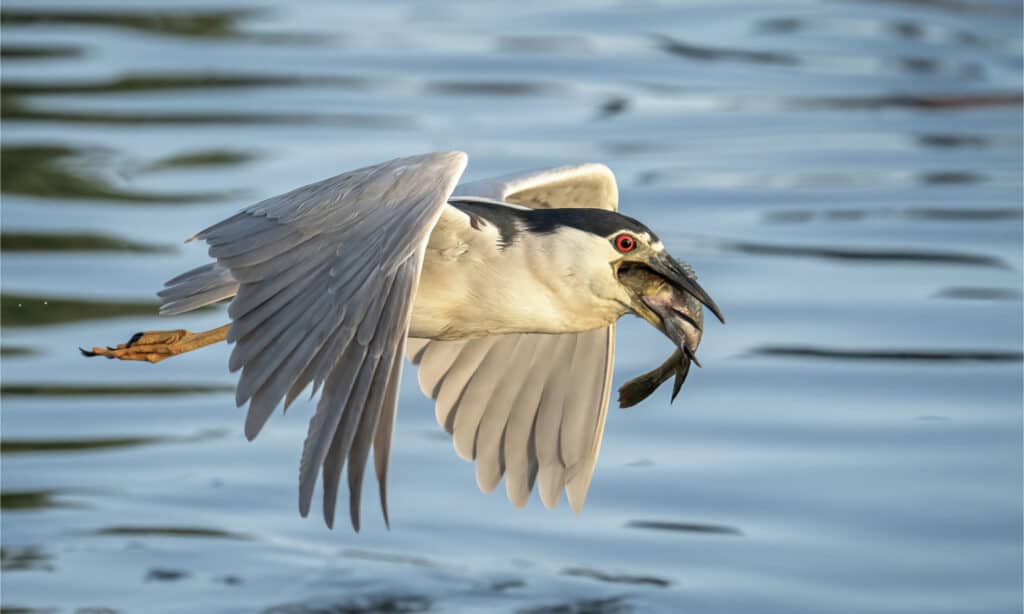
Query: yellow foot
x=154 y=346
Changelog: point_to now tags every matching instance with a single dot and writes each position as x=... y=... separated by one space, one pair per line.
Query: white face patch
x=657 y=246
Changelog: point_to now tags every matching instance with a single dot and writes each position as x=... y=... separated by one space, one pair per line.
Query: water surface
x=845 y=176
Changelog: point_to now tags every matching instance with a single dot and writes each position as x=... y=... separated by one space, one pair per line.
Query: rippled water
x=844 y=175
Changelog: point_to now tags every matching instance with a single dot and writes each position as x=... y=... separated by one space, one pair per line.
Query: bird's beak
x=667 y=295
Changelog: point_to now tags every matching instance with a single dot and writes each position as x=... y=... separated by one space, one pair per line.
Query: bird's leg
x=156 y=345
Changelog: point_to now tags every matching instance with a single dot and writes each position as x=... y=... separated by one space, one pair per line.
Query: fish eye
x=625 y=243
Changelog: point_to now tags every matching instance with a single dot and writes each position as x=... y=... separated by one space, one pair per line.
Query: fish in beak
x=667 y=295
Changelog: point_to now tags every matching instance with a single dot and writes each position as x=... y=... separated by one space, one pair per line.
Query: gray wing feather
x=382 y=436
x=304 y=251
x=354 y=438
x=323 y=279
x=385 y=387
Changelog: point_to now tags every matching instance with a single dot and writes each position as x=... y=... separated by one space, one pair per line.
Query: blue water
x=845 y=176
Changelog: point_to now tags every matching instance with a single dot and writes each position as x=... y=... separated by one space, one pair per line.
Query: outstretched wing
x=530 y=407
x=325 y=279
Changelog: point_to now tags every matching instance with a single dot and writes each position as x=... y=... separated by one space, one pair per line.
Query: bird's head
x=661 y=289
x=644 y=278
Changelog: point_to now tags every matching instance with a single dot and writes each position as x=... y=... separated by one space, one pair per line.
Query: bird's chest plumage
x=477 y=282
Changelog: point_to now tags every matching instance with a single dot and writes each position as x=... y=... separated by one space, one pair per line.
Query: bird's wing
x=530 y=407
x=326 y=276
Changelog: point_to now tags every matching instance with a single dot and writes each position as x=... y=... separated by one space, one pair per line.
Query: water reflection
x=385 y=557
x=795 y=180
x=869 y=27
x=43 y=171
x=75 y=390
x=24 y=610
x=146 y=83
x=16 y=109
x=35 y=446
x=963 y=214
x=492 y=88
x=865 y=254
x=25 y=558
x=950 y=177
x=161 y=574
x=170 y=531
x=616 y=105
x=933 y=102
x=24 y=500
x=780 y=25
x=546 y=44
x=980 y=294
x=616 y=578
x=205 y=24
x=704 y=53
x=16 y=351
x=954 y=6
x=950 y=141
x=39 y=52
x=206 y=158
x=607 y=605
x=784 y=351
x=358 y=605
x=683 y=527
x=77 y=242
x=934 y=214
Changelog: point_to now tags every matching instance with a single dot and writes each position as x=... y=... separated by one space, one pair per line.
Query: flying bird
x=503 y=292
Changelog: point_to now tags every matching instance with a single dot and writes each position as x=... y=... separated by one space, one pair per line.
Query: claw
x=134 y=338
x=86 y=352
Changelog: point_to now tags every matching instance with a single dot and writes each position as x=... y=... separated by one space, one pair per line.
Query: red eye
x=625 y=243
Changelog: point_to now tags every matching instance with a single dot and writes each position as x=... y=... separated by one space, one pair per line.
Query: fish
x=642 y=386
x=679 y=316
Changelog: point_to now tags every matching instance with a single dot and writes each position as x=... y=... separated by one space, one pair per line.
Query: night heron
x=504 y=292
